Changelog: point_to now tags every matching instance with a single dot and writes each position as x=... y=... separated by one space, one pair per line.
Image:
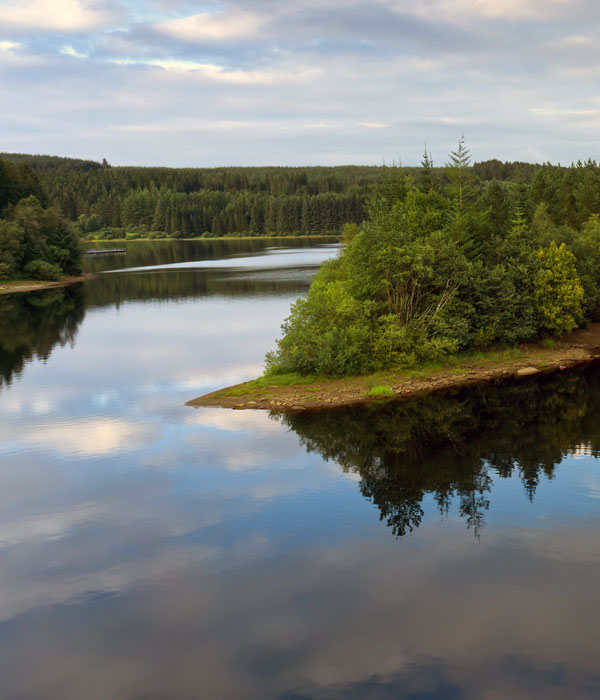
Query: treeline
x=109 y=202
x=185 y=202
x=35 y=241
x=116 y=202
x=448 y=264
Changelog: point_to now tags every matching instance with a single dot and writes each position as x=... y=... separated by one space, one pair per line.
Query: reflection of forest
x=451 y=445
x=117 y=288
x=179 y=283
x=148 y=253
x=32 y=324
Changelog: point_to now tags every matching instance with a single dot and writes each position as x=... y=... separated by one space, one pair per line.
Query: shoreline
x=579 y=347
x=21 y=286
x=211 y=238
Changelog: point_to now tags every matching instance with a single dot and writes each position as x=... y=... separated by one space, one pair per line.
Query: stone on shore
x=526 y=371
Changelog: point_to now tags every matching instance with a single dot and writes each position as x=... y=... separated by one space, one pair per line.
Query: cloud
x=89 y=437
x=373 y=125
x=49 y=526
x=210 y=71
x=213 y=26
x=492 y=9
x=298 y=83
x=56 y=15
x=70 y=51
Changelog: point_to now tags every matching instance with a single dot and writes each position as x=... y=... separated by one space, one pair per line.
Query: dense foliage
x=135 y=202
x=441 y=267
x=109 y=202
x=35 y=242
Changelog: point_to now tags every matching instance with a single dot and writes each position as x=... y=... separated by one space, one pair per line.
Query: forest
x=35 y=241
x=443 y=265
x=151 y=202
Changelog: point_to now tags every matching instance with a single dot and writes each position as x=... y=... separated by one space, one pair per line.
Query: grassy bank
x=296 y=392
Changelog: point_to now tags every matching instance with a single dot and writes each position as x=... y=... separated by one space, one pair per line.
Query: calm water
x=436 y=548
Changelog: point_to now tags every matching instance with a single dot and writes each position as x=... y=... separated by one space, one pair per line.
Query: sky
x=299 y=82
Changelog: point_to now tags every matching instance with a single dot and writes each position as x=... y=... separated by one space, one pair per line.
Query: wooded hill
x=113 y=202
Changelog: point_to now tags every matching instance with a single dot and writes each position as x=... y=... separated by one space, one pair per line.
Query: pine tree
x=427 y=178
x=461 y=185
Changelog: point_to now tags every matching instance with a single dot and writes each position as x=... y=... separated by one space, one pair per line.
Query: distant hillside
x=39 y=162
x=137 y=201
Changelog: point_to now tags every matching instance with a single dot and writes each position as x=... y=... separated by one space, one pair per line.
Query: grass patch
x=290 y=379
x=380 y=391
x=267 y=382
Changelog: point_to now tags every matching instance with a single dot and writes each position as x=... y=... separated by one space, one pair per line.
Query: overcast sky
x=294 y=82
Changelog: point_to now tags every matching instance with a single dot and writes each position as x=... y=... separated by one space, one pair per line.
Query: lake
x=438 y=547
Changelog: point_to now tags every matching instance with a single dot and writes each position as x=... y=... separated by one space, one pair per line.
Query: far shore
x=213 y=238
x=15 y=286
x=293 y=393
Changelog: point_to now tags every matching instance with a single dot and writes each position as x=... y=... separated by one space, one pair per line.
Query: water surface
x=442 y=547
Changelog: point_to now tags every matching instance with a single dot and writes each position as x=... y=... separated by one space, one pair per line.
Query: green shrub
x=380 y=391
x=42 y=270
x=558 y=292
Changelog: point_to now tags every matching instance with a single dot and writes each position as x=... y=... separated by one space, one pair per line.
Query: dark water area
x=439 y=547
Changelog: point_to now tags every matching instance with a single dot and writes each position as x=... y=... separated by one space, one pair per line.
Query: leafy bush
x=42 y=270
x=558 y=292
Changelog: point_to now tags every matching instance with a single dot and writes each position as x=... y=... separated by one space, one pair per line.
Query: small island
x=448 y=281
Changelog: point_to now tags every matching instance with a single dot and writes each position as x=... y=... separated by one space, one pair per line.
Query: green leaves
x=34 y=241
x=558 y=292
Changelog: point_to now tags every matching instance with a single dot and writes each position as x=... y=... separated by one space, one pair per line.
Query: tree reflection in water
x=32 y=324
x=452 y=445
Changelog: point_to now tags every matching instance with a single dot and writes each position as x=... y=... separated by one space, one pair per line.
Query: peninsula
x=445 y=273
x=271 y=393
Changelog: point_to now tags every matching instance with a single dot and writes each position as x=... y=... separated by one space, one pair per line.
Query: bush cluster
x=35 y=241
x=435 y=270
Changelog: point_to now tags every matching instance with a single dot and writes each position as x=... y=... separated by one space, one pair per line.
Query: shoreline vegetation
x=36 y=243
x=439 y=278
x=24 y=285
x=283 y=393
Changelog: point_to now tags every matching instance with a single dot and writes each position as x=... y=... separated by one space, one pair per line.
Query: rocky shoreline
x=579 y=347
x=33 y=285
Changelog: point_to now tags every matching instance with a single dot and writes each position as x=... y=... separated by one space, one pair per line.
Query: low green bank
x=378 y=383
